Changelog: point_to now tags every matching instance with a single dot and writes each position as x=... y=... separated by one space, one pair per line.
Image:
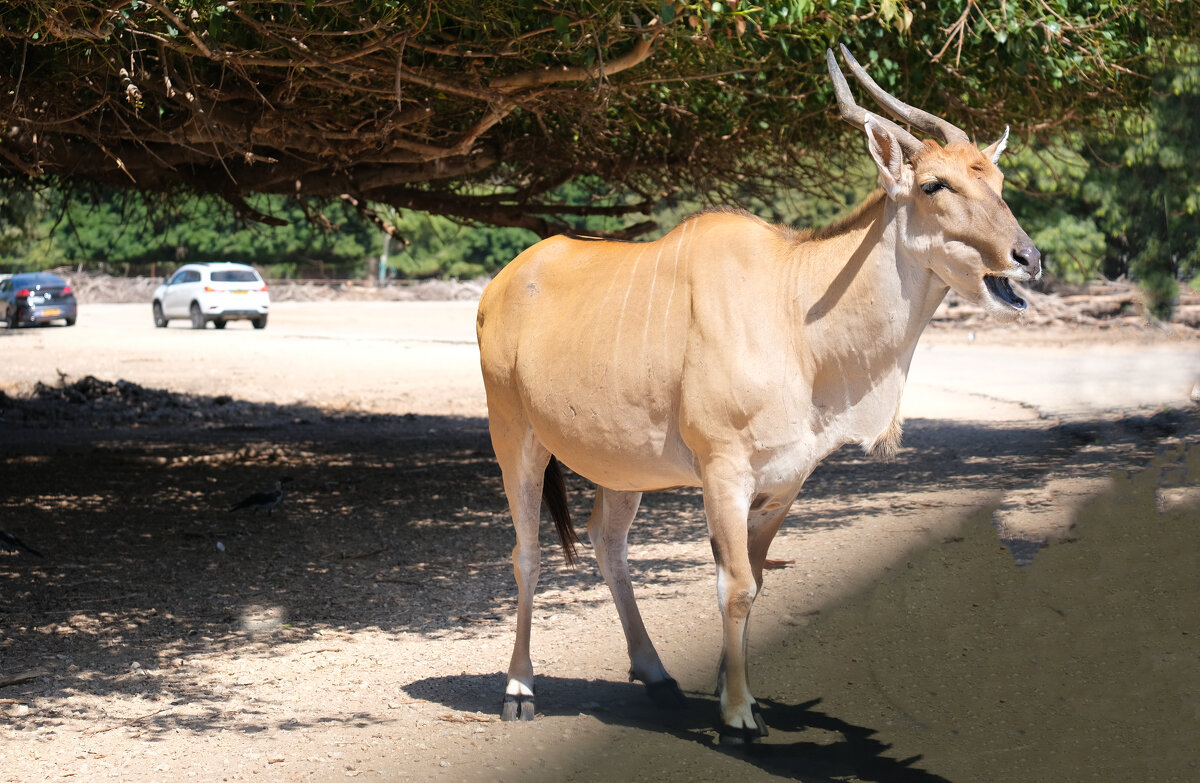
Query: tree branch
x=641 y=51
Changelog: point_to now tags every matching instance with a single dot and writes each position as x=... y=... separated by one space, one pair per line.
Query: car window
x=5 y=286
x=178 y=277
x=235 y=276
x=192 y=276
x=37 y=281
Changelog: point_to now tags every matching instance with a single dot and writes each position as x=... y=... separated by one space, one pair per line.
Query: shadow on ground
x=959 y=665
x=399 y=524
x=845 y=751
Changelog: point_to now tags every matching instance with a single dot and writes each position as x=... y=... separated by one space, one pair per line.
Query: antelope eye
x=933 y=187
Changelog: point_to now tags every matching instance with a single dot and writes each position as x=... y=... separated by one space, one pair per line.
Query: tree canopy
x=482 y=110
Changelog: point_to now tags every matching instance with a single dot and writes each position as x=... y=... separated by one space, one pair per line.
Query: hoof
x=756 y=711
x=728 y=735
x=517 y=708
x=666 y=694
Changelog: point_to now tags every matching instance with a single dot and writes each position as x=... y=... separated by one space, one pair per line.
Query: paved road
x=988 y=382
x=383 y=357
x=420 y=357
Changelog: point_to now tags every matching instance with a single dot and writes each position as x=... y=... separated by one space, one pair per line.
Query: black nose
x=1029 y=257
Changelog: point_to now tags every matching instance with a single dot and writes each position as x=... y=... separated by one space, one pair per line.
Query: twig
x=364 y=555
x=129 y=722
x=21 y=75
x=400 y=74
x=959 y=28
x=17 y=679
x=464 y=717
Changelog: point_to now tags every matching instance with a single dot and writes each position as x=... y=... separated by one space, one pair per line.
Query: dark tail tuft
x=554 y=495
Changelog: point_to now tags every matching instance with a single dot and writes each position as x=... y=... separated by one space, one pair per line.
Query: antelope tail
x=554 y=495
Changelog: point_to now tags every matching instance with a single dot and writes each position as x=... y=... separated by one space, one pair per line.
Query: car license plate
x=240 y=291
x=52 y=311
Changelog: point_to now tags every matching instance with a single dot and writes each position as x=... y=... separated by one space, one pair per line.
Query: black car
x=36 y=298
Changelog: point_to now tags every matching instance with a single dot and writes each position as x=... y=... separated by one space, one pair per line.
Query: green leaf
x=562 y=26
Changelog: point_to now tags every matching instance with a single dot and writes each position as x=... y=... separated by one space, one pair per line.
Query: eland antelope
x=731 y=355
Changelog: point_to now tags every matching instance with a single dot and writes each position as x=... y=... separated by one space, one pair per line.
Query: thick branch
x=535 y=217
x=640 y=53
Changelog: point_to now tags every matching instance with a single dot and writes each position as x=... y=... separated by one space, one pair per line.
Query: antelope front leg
x=726 y=504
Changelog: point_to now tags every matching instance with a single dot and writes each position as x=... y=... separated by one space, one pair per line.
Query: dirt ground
x=1011 y=598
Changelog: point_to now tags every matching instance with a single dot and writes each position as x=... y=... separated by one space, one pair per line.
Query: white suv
x=219 y=292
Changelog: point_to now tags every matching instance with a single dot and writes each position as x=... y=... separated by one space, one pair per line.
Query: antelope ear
x=886 y=152
x=993 y=152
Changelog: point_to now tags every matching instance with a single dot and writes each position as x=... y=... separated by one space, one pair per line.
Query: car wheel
x=10 y=319
x=219 y=323
x=160 y=320
x=197 y=316
x=260 y=322
x=70 y=322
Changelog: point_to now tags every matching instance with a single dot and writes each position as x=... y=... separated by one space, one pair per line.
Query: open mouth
x=1000 y=288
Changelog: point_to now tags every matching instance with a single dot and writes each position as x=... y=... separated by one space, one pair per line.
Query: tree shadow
x=393 y=524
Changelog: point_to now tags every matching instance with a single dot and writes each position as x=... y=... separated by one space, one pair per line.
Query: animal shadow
x=555 y=696
x=858 y=753
x=786 y=753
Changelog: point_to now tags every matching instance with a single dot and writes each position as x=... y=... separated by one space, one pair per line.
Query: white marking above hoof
x=517 y=688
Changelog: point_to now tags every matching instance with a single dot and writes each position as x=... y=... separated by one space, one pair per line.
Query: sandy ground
x=1012 y=598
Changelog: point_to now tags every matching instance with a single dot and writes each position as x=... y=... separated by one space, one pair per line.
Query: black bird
x=10 y=543
x=263 y=501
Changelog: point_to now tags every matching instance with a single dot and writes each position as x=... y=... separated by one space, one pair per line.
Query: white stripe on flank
x=650 y=302
x=633 y=276
x=674 y=282
x=595 y=345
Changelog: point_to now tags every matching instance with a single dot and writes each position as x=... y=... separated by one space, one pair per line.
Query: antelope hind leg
x=523 y=469
x=608 y=530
